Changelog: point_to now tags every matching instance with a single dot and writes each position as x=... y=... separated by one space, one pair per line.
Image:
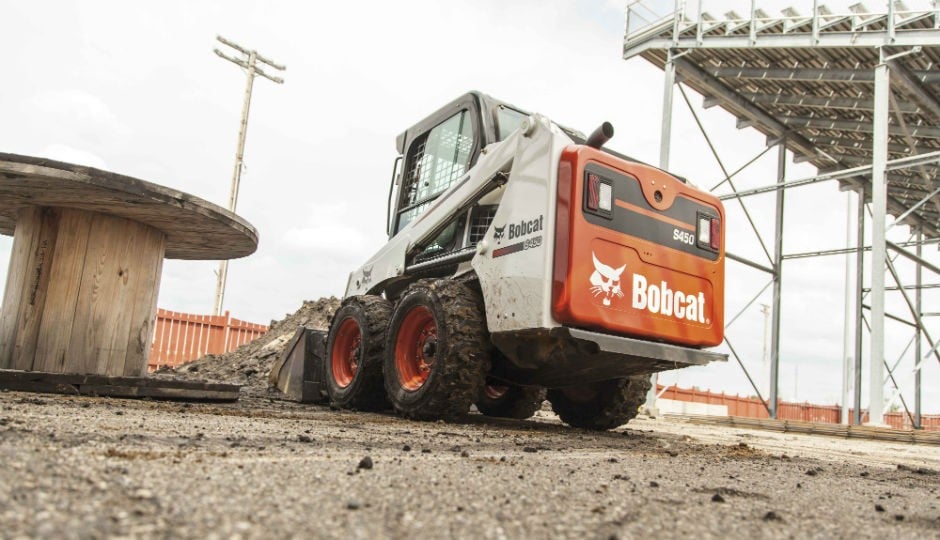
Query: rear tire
x=600 y=406
x=510 y=401
x=353 y=365
x=436 y=351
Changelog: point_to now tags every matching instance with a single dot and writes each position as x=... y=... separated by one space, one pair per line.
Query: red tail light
x=594 y=188
x=715 y=239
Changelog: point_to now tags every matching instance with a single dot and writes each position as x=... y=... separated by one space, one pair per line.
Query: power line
x=247 y=60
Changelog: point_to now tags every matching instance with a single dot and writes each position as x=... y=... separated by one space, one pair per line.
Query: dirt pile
x=250 y=364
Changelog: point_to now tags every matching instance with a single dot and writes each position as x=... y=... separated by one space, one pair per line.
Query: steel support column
x=665 y=137
x=917 y=335
x=879 y=205
x=859 y=307
x=847 y=318
x=778 y=277
x=665 y=141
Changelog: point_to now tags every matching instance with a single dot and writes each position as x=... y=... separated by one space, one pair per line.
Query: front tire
x=436 y=351
x=600 y=406
x=353 y=364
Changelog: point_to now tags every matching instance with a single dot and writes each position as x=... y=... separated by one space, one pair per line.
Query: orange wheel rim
x=415 y=348
x=345 y=355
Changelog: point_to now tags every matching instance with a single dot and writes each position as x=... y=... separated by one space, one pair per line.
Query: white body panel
x=517 y=287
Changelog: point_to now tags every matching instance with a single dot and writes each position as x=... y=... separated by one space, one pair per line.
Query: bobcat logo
x=366 y=275
x=498 y=233
x=606 y=280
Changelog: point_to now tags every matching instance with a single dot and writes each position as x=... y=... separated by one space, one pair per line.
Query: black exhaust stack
x=601 y=135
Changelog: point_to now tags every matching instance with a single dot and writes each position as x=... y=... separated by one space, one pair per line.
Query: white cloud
x=328 y=229
x=324 y=239
x=67 y=154
x=80 y=109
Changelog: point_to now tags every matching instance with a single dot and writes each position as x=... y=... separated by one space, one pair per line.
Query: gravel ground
x=90 y=467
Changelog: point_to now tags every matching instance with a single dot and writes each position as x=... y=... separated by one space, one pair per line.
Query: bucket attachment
x=298 y=373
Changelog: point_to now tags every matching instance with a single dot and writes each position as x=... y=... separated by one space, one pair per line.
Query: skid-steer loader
x=526 y=261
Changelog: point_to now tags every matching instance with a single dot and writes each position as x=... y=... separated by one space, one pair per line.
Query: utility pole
x=248 y=61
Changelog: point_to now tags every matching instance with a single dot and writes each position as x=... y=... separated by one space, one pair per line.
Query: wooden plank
x=67 y=267
x=78 y=354
x=86 y=329
x=40 y=387
x=84 y=378
x=158 y=393
x=143 y=266
x=142 y=305
x=125 y=273
x=130 y=387
x=33 y=303
x=24 y=244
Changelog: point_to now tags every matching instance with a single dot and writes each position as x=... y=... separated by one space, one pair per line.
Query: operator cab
x=437 y=151
x=434 y=155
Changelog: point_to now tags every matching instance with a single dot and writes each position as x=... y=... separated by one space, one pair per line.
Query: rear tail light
x=600 y=195
x=594 y=188
x=715 y=241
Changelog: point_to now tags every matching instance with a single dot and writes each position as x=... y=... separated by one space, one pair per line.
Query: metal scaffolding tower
x=855 y=94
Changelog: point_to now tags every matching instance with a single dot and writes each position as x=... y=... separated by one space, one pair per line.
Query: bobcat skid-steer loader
x=526 y=262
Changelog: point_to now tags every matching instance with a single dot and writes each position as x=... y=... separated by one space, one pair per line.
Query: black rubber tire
x=518 y=402
x=366 y=391
x=461 y=358
x=600 y=406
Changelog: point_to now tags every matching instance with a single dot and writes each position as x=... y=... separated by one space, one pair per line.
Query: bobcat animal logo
x=606 y=280
x=366 y=275
x=498 y=233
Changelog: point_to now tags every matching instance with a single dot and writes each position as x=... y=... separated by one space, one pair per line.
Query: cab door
x=438 y=152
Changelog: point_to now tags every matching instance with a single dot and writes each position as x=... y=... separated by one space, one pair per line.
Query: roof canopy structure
x=811 y=78
x=856 y=93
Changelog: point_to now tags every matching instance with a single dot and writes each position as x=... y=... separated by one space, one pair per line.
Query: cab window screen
x=508 y=120
x=435 y=162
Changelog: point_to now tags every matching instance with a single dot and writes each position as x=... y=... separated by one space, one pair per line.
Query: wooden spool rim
x=195 y=229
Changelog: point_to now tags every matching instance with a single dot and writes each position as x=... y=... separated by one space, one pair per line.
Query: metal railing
x=798 y=16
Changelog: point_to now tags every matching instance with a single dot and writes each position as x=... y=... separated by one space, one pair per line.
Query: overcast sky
x=134 y=88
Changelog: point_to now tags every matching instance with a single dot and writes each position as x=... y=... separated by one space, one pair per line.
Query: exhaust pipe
x=601 y=135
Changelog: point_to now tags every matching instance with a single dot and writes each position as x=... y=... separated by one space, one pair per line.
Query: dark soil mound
x=250 y=364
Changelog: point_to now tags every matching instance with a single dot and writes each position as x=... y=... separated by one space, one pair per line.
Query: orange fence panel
x=182 y=337
x=751 y=407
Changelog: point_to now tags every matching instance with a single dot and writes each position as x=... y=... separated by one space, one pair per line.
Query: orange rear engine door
x=637 y=251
